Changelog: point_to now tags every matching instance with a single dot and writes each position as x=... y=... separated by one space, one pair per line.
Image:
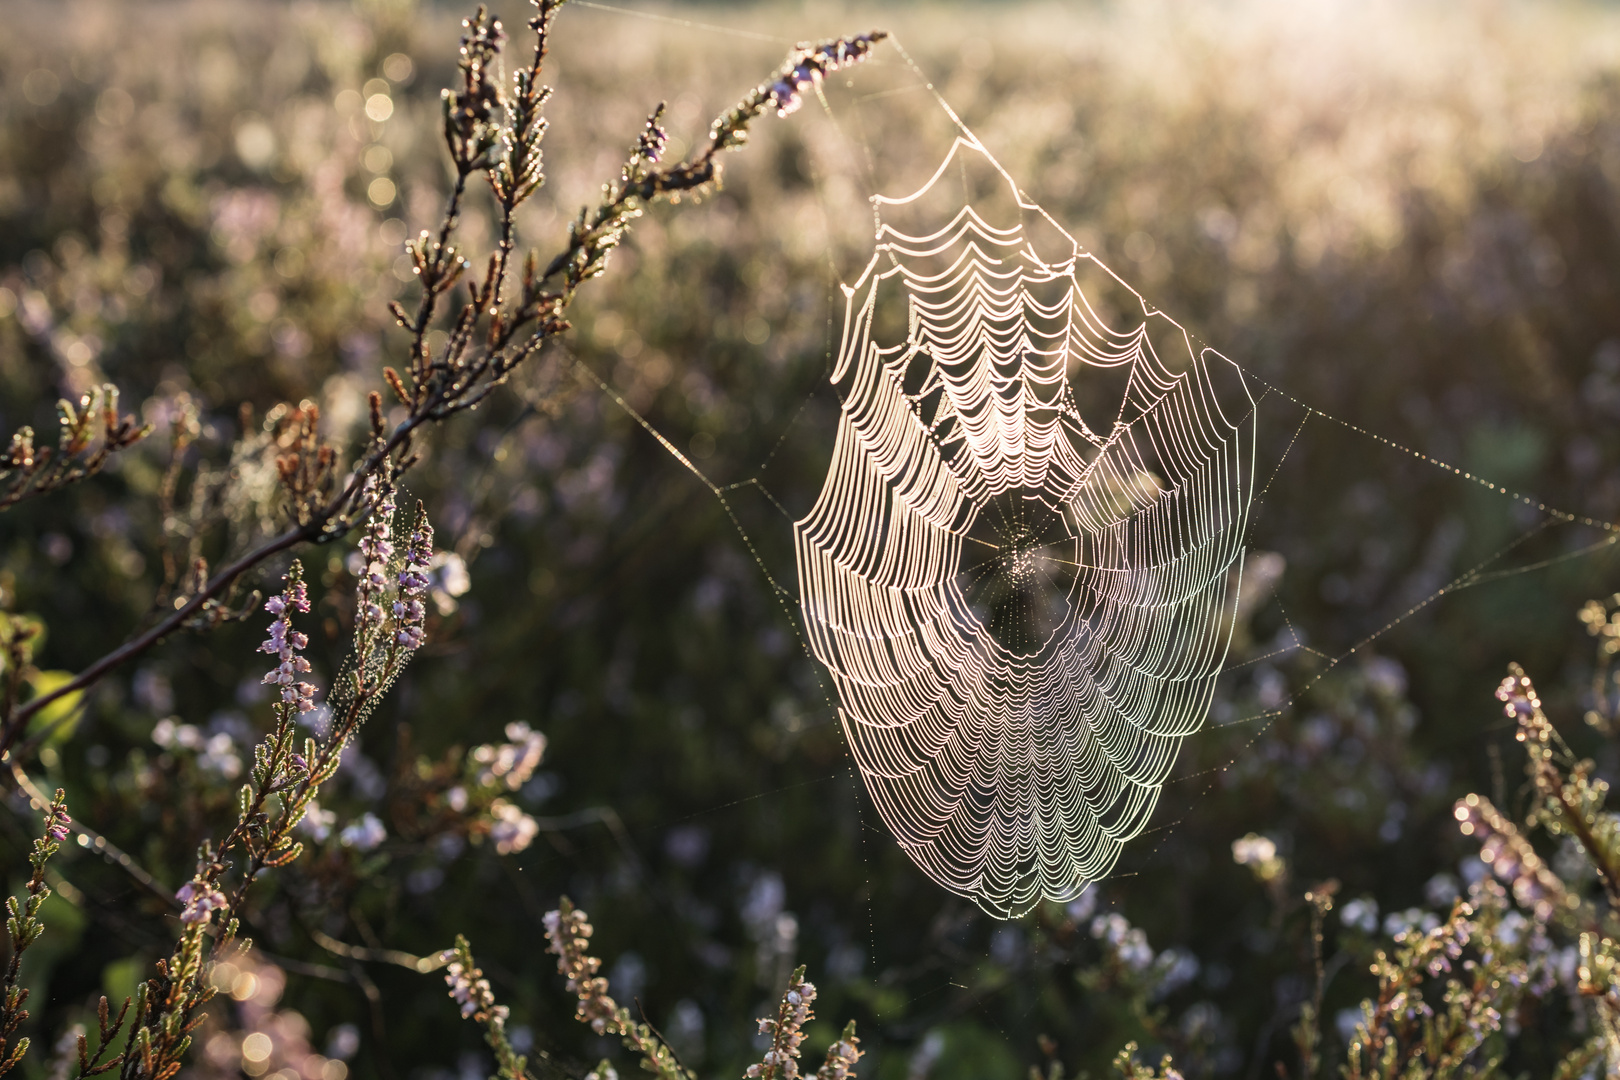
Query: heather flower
x=413 y=584
x=811 y=65
x=650 y=146
x=568 y=935
x=471 y=991
x=199 y=899
x=57 y=822
x=468 y=987
x=511 y=829
x=841 y=1056
x=511 y=764
x=781 y=1061
x=1174 y=968
x=168 y=734
x=376 y=549
x=1360 y=914
x=219 y=757
x=1081 y=909
x=286 y=644
x=1128 y=943
x=316 y=822
x=1520 y=702
x=450 y=580
x=1259 y=853
x=364 y=834
x=1511 y=858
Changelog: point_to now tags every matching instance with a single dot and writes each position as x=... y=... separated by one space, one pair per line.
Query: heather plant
x=23 y=927
x=492 y=127
x=1454 y=989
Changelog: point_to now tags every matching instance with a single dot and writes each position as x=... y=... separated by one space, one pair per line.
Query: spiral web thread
x=924 y=700
x=1023 y=601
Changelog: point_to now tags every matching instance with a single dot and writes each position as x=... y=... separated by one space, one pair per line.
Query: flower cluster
x=468 y=986
x=812 y=64
x=270 y=1042
x=286 y=644
x=514 y=762
x=413 y=585
x=363 y=834
x=510 y=828
x=1511 y=858
x=1259 y=854
x=216 y=753
x=841 y=1056
x=316 y=822
x=1520 y=702
x=1444 y=943
x=781 y=1061
x=57 y=821
x=200 y=899
x=568 y=935
x=376 y=549
x=1128 y=944
x=472 y=992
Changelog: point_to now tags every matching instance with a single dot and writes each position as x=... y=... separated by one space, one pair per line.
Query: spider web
x=1023 y=570
x=1021 y=567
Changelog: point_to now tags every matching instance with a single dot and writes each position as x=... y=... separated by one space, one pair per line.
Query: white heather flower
x=365 y=834
x=1361 y=914
x=1252 y=850
x=450 y=579
x=220 y=758
x=1134 y=951
x=1110 y=928
x=317 y=823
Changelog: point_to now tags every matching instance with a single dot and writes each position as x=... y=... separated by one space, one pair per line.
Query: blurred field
x=1405 y=216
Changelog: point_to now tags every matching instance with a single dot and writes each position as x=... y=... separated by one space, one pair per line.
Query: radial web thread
x=1021 y=568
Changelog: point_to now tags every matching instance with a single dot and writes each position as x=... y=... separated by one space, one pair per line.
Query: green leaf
x=61 y=716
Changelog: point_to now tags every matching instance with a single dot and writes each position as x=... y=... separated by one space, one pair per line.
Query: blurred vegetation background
x=1405 y=216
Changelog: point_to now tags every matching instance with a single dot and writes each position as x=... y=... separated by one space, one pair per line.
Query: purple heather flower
x=285 y=643
x=376 y=549
x=413 y=585
x=56 y=823
x=200 y=900
x=814 y=63
x=1510 y=857
x=511 y=763
x=470 y=990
